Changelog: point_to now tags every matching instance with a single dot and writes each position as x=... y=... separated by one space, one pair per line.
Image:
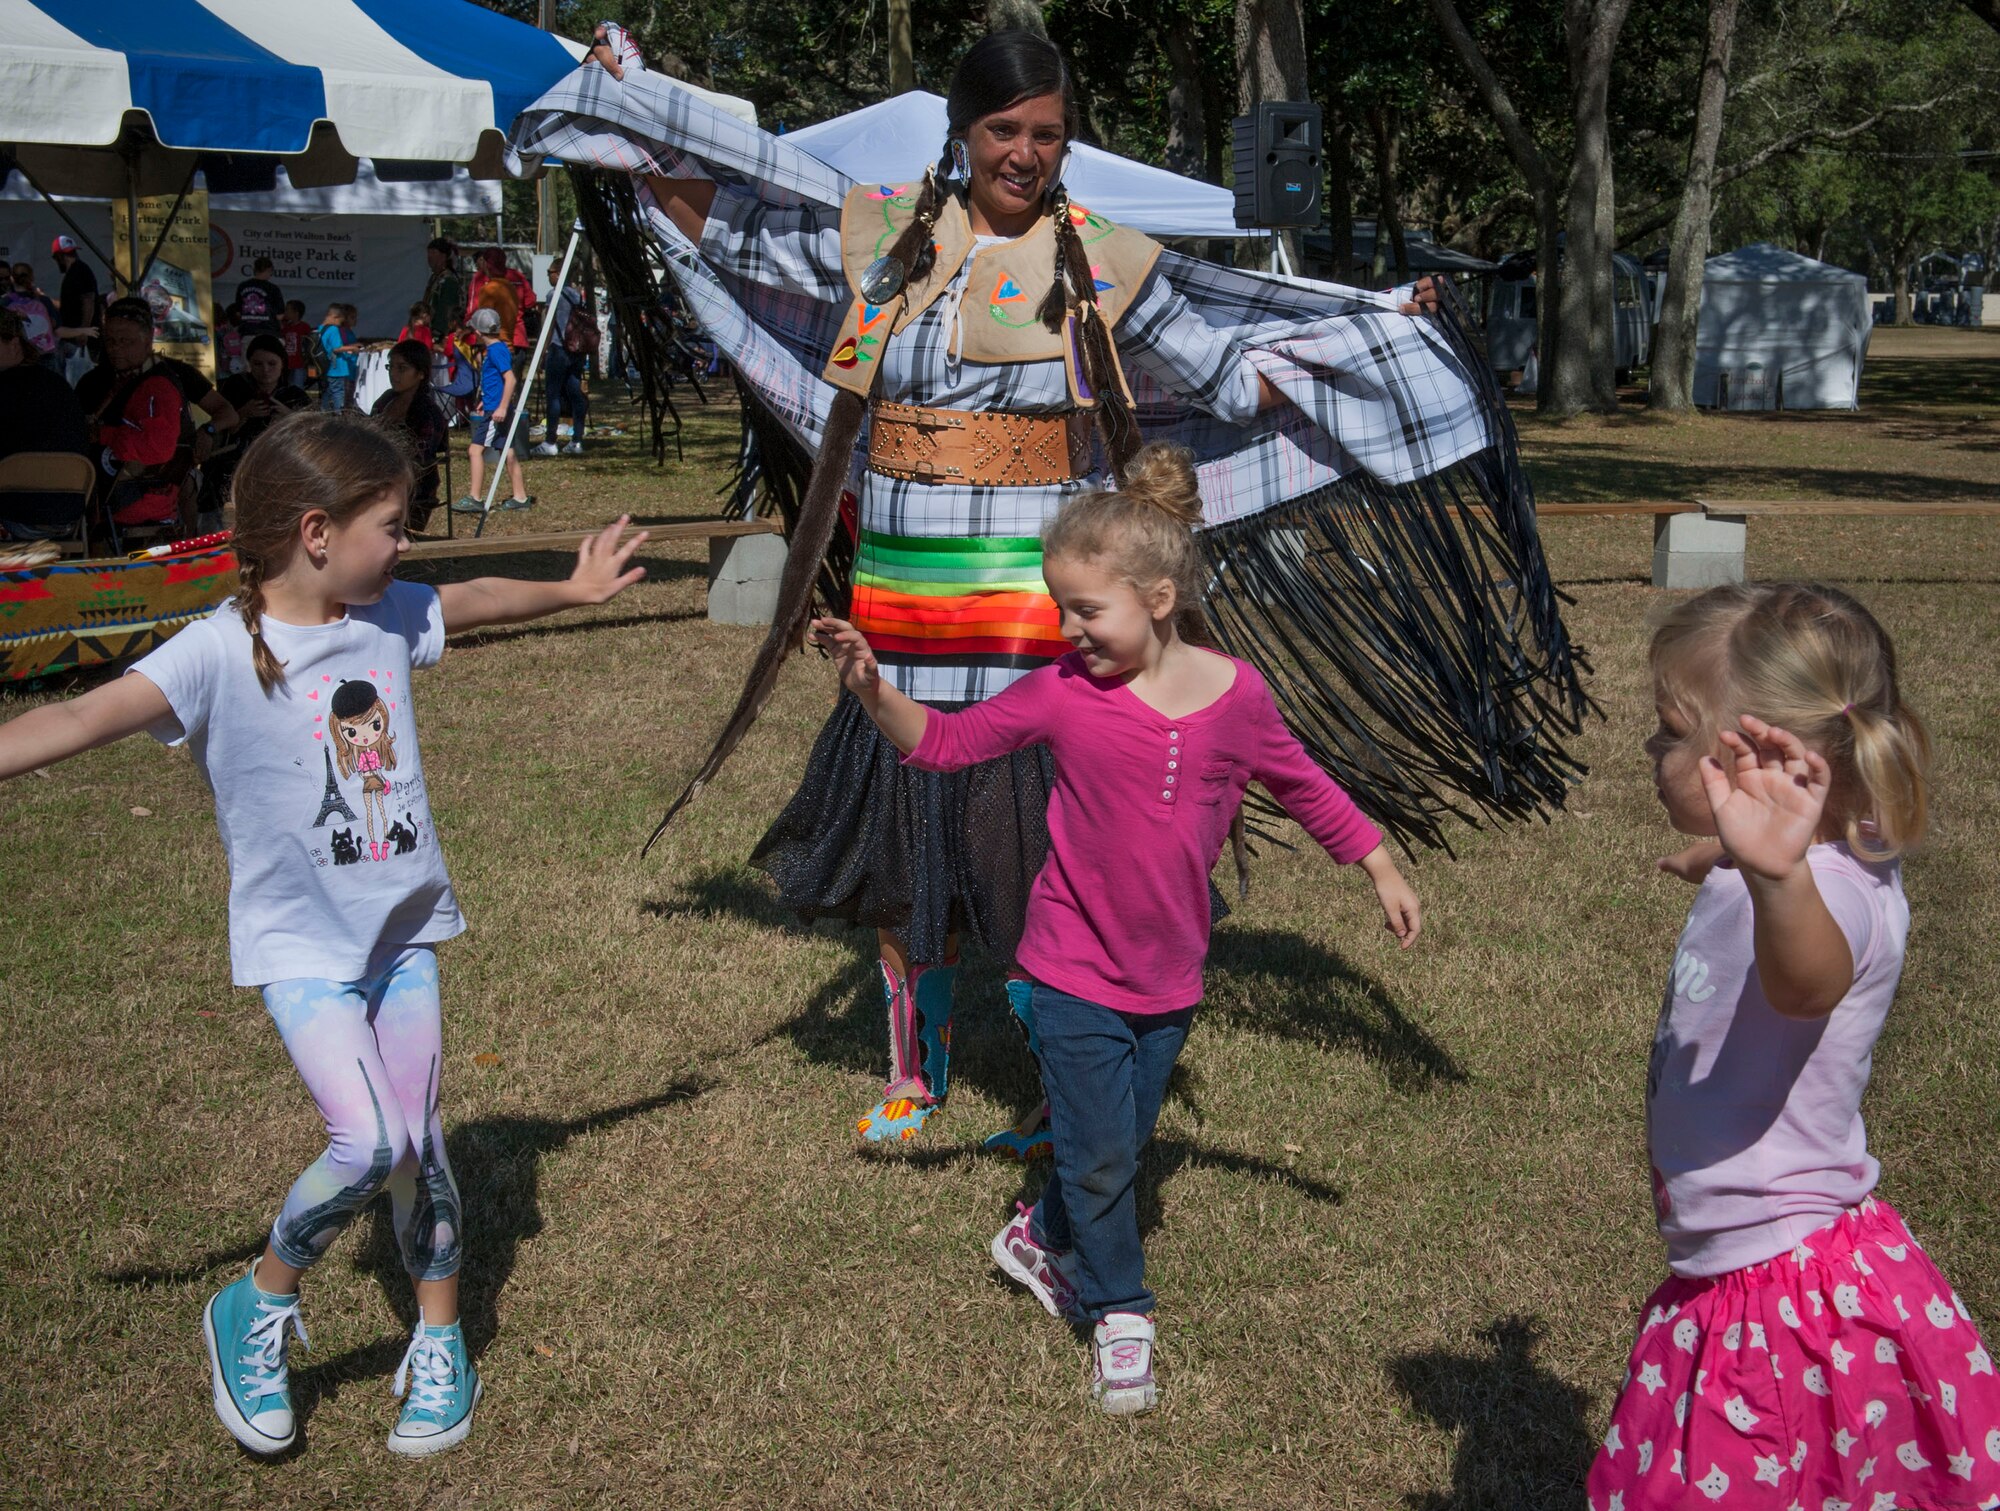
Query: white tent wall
x=1777 y=323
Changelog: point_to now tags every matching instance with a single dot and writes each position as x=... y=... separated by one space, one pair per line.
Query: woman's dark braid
x=1100 y=368
x=915 y=249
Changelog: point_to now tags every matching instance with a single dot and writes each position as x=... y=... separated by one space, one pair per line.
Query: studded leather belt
x=975 y=448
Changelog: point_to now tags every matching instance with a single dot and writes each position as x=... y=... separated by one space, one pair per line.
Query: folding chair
x=62 y=473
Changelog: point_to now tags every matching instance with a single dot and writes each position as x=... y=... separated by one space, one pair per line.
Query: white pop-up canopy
x=1779 y=330
x=894 y=140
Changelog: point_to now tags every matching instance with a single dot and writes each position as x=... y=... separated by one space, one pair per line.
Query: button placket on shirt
x=1173 y=765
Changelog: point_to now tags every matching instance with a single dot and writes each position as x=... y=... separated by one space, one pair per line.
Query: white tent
x=1779 y=331
x=894 y=140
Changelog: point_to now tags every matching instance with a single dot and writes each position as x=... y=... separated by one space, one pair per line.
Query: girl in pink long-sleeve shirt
x=1154 y=740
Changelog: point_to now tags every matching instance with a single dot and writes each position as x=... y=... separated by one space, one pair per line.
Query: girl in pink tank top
x=1805 y=1351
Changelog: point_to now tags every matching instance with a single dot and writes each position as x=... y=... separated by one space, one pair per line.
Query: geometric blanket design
x=74 y=614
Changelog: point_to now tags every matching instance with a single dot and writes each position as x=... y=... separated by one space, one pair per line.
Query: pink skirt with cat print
x=1845 y=1375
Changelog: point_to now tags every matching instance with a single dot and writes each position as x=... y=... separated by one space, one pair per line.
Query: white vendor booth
x=1779 y=331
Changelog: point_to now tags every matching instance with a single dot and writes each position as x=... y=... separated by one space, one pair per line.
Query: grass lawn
x=1397 y=1212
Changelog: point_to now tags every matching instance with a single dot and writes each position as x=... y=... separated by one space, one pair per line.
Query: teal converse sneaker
x=443 y=1388
x=244 y=1328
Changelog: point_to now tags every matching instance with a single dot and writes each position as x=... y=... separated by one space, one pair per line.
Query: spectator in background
x=140 y=403
x=38 y=412
x=298 y=338
x=506 y=292
x=498 y=394
x=259 y=395
x=614 y=49
x=260 y=308
x=38 y=314
x=562 y=369
x=445 y=292
x=77 y=303
x=410 y=405
x=336 y=339
x=419 y=327
x=229 y=342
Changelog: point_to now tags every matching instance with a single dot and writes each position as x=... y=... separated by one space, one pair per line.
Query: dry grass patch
x=1397 y=1212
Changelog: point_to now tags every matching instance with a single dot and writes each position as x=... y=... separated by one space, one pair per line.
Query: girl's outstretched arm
x=601 y=573
x=899 y=717
x=1769 y=802
x=1401 y=913
x=57 y=731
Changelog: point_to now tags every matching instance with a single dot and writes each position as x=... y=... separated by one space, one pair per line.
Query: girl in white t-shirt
x=1805 y=1351
x=295 y=699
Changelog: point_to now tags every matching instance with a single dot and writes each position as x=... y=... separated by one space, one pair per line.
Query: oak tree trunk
x=1270 y=65
x=1187 y=130
x=1387 y=122
x=1015 y=15
x=1578 y=374
x=902 y=55
x=1672 y=386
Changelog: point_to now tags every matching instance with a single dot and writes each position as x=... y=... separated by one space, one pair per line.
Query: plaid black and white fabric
x=1385 y=401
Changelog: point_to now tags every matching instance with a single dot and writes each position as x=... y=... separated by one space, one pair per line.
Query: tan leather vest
x=1000 y=317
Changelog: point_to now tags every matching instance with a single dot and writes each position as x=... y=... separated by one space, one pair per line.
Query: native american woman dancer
x=1372 y=541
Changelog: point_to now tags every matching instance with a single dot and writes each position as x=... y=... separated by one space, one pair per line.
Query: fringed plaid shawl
x=1372 y=541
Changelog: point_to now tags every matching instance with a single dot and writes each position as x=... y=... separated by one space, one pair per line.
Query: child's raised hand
x=601 y=571
x=852 y=656
x=1768 y=799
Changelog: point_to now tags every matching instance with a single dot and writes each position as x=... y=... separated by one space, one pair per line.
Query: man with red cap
x=77 y=303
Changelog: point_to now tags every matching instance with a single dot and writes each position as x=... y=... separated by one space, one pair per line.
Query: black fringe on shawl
x=1412 y=635
x=639 y=282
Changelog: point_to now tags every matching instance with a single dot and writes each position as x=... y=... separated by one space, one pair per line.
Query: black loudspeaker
x=1278 y=168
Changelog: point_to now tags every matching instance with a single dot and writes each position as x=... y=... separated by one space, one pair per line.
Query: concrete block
x=743 y=576
x=1698 y=550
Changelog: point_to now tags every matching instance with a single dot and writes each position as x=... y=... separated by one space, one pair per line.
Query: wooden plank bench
x=746 y=557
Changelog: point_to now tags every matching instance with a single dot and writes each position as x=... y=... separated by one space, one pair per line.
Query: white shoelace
x=428 y=1369
x=265 y=1342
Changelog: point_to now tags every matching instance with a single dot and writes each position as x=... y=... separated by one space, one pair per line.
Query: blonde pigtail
x=1892 y=757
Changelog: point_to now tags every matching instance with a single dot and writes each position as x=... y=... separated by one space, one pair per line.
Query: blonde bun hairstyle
x=1143 y=531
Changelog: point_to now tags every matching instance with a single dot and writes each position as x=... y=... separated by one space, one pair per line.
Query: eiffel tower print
x=332 y=802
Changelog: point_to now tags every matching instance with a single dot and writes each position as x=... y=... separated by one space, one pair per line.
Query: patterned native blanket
x=1372 y=540
x=75 y=614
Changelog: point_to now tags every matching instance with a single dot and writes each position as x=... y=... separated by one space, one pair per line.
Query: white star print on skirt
x=1843 y=1373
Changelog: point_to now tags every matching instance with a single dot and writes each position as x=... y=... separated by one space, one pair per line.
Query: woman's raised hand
x=1768 y=799
x=852 y=656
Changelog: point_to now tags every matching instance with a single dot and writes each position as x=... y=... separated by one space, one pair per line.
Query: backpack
x=580 y=336
x=36 y=325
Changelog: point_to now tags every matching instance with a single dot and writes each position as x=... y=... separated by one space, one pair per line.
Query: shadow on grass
x=1266 y=980
x=1521 y=1434
x=497 y=1163
x=1163 y=1158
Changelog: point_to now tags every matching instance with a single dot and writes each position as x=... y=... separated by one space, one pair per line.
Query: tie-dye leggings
x=369 y=1053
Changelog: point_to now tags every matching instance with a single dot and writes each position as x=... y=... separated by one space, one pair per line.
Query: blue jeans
x=1106 y=1074
x=562 y=378
x=337 y=394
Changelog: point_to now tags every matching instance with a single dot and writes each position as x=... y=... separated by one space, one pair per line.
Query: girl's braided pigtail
x=250 y=604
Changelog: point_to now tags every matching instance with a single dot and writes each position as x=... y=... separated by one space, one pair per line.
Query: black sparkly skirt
x=922 y=853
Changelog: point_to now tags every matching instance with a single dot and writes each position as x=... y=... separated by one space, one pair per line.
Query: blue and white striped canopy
x=435 y=81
